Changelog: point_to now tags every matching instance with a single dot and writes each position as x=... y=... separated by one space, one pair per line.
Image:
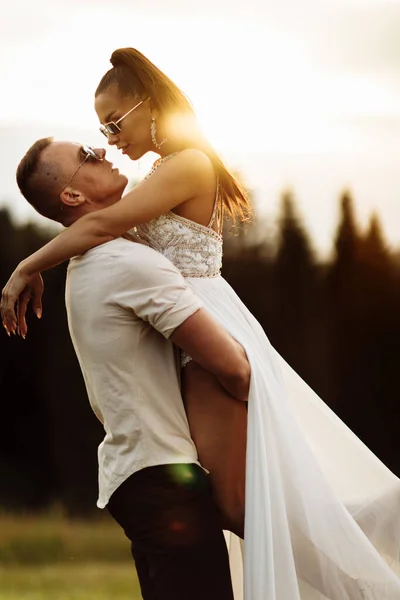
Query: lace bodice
x=196 y=250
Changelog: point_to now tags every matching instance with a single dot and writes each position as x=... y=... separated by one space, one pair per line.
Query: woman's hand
x=18 y=291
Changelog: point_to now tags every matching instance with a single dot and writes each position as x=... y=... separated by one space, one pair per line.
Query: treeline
x=336 y=322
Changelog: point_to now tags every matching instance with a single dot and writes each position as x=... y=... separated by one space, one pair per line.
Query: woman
x=314 y=492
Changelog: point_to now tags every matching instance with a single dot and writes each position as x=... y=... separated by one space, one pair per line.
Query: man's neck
x=74 y=214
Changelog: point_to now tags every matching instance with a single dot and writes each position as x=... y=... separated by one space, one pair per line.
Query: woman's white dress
x=322 y=512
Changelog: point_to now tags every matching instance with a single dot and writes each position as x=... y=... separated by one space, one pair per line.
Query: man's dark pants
x=168 y=514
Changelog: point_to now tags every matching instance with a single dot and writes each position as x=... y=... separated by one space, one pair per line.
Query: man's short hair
x=38 y=181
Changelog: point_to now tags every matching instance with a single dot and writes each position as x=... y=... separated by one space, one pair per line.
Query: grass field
x=54 y=558
x=68 y=581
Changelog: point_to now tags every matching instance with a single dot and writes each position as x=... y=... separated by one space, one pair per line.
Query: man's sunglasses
x=112 y=128
x=88 y=153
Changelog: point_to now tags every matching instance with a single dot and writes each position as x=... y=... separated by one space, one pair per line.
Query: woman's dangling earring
x=153 y=133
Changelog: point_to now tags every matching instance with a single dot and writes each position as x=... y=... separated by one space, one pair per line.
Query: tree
x=295 y=329
x=363 y=297
x=348 y=238
x=48 y=446
x=374 y=250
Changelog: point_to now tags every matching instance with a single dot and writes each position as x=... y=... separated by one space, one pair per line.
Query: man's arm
x=148 y=283
x=210 y=345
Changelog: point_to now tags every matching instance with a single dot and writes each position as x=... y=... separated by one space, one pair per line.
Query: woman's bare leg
x=218 y=425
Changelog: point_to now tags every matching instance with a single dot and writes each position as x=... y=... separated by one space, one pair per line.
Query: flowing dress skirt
x=322 y=511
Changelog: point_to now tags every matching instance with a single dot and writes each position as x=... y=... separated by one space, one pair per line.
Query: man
x=126 y=304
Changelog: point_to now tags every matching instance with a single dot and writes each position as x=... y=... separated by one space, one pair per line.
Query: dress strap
x=217 y=214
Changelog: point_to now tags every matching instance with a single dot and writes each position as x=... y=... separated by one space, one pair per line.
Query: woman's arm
x=177 y=180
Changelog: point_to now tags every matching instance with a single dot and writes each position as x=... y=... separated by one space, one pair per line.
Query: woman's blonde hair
x=134 y=75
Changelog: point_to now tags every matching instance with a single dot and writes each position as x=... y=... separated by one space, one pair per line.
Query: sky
x=299 y=94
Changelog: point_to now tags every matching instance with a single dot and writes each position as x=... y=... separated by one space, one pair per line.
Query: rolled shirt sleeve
x=147 y=283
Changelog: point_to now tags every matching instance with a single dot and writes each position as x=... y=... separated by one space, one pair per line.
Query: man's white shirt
x=123 y=302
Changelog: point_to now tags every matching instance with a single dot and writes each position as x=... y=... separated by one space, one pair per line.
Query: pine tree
x=348 y=238
x=296 y=291
x=294 y=253
x=374 y=250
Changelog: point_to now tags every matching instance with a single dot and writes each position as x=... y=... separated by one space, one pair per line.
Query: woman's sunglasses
x=88 y=153
x=112 y=128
